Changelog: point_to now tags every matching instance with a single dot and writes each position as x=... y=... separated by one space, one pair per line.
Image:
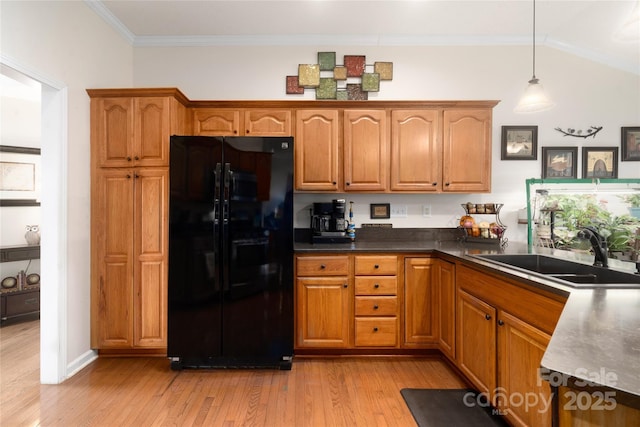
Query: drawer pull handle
x=376 y=285
x=375 y=329
x=487 y=316
x=376 y=266
x=322 y=266
x=375 y=307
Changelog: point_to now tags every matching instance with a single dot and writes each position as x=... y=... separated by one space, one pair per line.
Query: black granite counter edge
x=580 y=362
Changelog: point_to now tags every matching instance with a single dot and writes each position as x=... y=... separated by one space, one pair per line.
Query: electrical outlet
x=426 y=210
x=398 y=211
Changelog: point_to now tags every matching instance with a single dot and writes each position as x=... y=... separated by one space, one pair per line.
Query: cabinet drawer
x=376 y=306
x=376 y=285
x=376 y=265
x=322 y=266
x=376 y=332
x=21 y=303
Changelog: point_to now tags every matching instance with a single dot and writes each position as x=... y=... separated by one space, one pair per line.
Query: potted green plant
x=634 y=204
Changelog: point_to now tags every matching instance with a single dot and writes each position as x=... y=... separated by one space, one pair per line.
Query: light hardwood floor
x=331 y=391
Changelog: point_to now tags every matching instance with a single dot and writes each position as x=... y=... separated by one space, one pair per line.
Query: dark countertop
x=596 y=343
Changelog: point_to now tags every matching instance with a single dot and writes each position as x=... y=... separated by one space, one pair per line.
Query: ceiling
x=584 y=28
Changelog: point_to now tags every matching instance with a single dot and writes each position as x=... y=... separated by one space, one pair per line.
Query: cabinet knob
x=434 y=183
x=500 y=322
x=334 y=183
x=348 y=183
x=487 y=316
x=322 y=266
x=375 y=329
x=235 y=131
x=136 y=158
x=128 y=159
x=375 y=307
x=344 y=285
x=447 y=184
x=136 y=176
x=128 y=176
x=376 y=285
x=376 y=266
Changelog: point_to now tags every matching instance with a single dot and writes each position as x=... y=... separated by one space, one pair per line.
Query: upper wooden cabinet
x=316 y=149
x=239 y=122
x=366 y=150
x=466 y=159
x=416 y=151
x=134 y=130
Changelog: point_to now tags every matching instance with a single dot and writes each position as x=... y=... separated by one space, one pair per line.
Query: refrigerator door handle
x=227 y=192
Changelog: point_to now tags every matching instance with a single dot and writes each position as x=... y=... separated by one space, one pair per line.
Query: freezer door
x=195 y=286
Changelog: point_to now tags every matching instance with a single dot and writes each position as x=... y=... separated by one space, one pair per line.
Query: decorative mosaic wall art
x=351 y=80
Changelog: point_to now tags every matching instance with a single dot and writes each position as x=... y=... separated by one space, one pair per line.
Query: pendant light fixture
x=534 y=98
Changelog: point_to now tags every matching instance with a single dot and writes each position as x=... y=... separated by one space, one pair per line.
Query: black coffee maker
x=328 y=223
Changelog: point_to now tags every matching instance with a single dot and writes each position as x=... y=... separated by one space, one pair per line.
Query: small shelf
x=19 y=253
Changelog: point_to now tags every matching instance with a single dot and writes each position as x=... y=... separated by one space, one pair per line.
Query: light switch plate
x=426 y=210
x=398 y=211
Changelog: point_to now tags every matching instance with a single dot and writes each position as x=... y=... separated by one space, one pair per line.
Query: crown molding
x=351 y=40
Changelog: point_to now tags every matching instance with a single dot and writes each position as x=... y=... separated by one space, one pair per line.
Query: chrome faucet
x=599 y=245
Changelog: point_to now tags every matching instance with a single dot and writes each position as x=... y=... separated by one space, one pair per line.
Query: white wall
x=65 y=41
x=587 y=93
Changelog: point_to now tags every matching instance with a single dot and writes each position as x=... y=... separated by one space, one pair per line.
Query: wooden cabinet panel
x=112 y=131
x=416 y=150
x=467 y=150
x=419 y=301
x=520 y=350
x=151 y=132
x=151 y=249
x=476 y=341
x=112 y=302
x=329 y=265
x=376 y=285
x=376 y=331
x=323 y=312
x=316 y=150
x=216 y=122
x=267 y=122
x=376 y=306
x=445 y=307
x=379 y=265
x=366 y=150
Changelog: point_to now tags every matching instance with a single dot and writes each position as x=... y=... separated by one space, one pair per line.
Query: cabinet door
x=520 y=350
x=152 y=129
x=476 y=341
x=216 y=122
x=112 y=131
x=419 y=293
x=415 y=150
x=323 y=312
x=112 y=299
x=267 y=122
x=467 y=151
x=151 y=250
x=445 y=282
x=366 y=150
x=316 y=150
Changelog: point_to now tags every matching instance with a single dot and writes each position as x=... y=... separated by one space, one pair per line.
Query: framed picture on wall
x=630 y=144
x=559 y=162
x=19 y=176
x=599 y=162
x=519 y=143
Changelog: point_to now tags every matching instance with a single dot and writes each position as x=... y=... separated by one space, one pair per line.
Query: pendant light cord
x=534 y=40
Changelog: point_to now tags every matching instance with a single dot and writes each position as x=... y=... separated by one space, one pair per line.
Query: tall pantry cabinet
x=130 y=131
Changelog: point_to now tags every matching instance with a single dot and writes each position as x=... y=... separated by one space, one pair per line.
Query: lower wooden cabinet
x=419 y=302
x=502 y=331
x=323 y=302
x=445 y=306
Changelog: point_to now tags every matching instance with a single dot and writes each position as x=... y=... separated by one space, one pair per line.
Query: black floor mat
x=449 y=408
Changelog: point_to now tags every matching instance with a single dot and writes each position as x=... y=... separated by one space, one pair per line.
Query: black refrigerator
x=230 y=252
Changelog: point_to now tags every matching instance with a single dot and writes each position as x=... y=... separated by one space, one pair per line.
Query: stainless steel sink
x=570 y=273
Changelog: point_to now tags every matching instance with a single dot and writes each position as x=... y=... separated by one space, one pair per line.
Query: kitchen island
x=594 y=350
